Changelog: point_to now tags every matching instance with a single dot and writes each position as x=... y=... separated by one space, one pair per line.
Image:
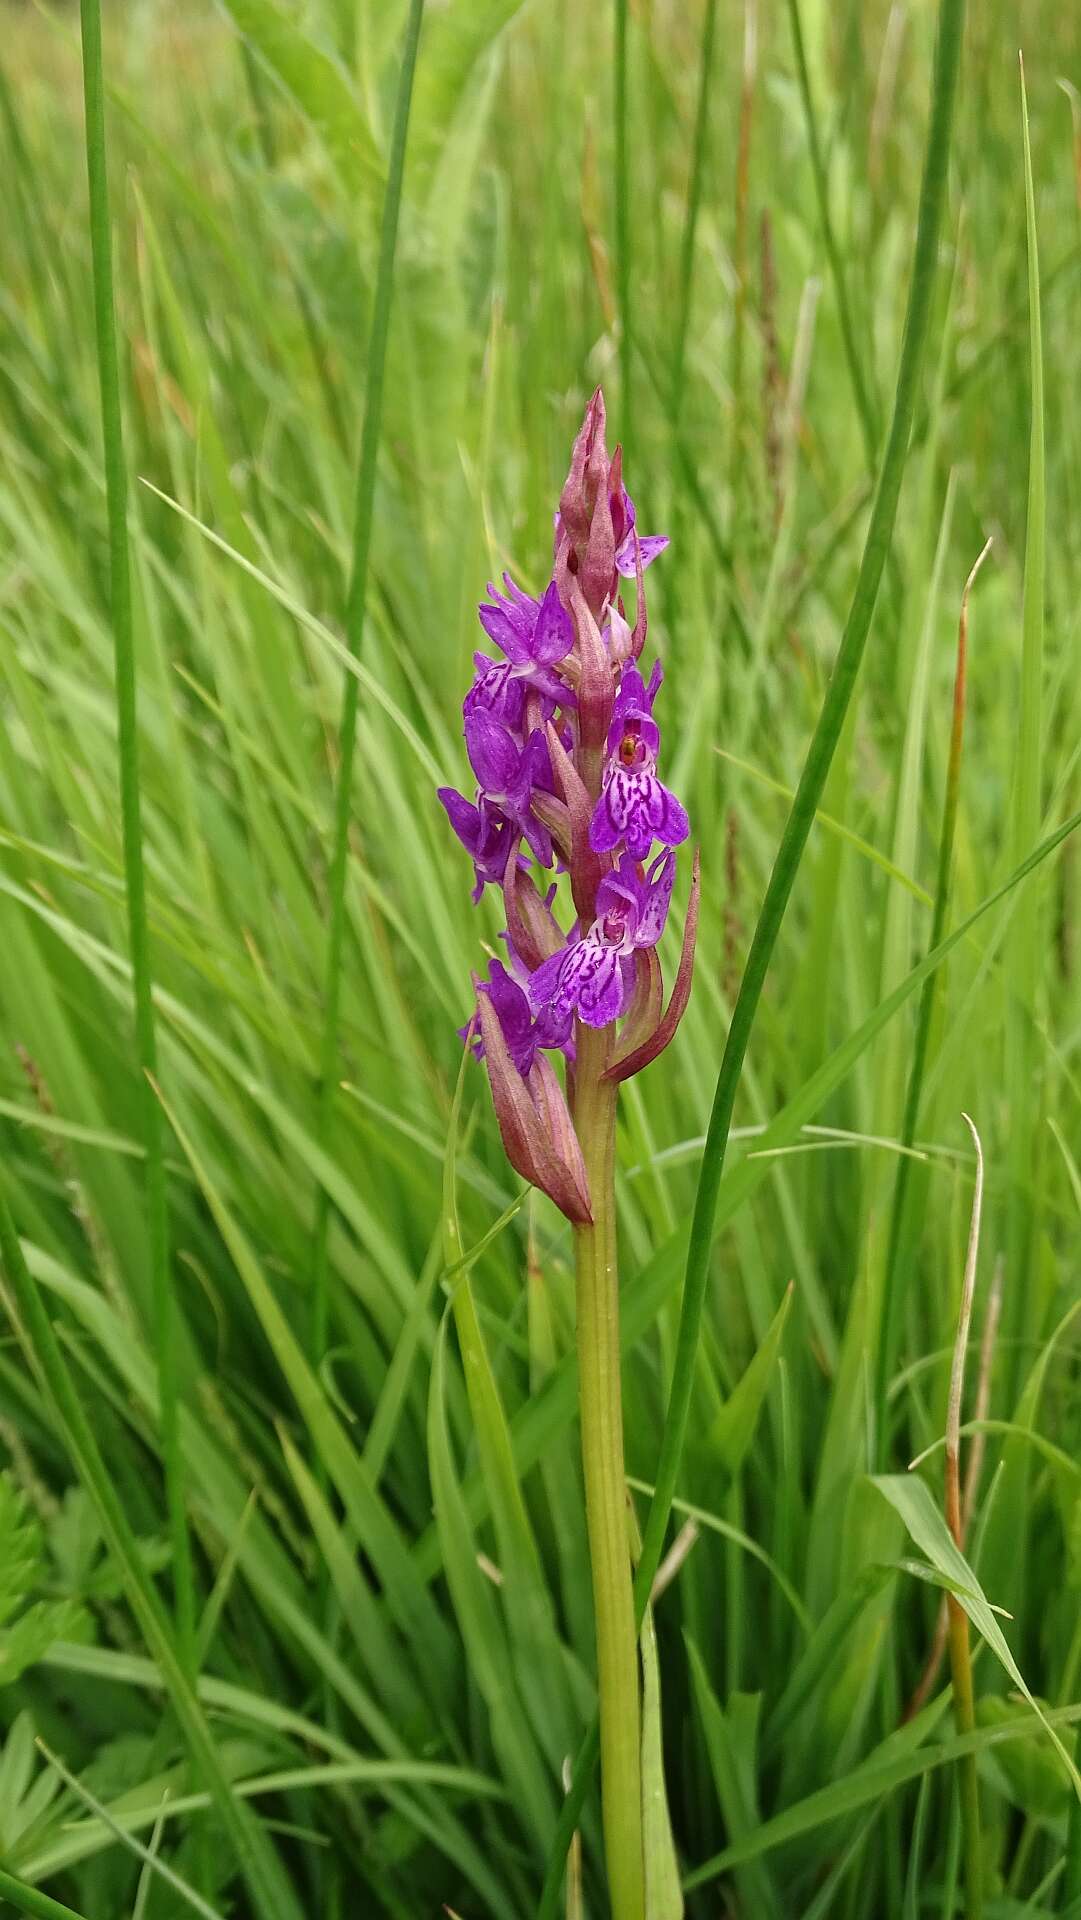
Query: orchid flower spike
x=564 y=747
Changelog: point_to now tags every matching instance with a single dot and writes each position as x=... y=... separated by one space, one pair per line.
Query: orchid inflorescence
x=562 y=739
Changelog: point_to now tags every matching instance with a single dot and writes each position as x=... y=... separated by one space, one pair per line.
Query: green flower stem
x=601 y=1403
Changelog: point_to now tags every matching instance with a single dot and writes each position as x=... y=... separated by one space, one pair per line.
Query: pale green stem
x=601 y=1402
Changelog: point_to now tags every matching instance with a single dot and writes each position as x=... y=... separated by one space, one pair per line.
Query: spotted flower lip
x=634 y=807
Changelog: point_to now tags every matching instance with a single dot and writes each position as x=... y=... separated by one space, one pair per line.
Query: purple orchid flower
x=593 y=975
x=510 y=776
x=649 y=544
x=484 y=831
x=561 y=738
x=634 y=807
x=535 y=635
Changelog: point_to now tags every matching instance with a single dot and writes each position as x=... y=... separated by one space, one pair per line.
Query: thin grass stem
x=694 y=204
x=960 y=1652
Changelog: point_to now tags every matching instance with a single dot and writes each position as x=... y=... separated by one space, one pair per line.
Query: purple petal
x=654 y=912
x=553 y=1028
x=632 y=697
x=538 y=838
x=509 y=622
x=649 y=545
x=670 y=819
x=535 y=765
x=553 y=635
x=493 y=755
x=495 y=691
x=512 y=1007
x=544 y=981
x=600 y=990
x=621 y=892
x=463 y=817
x=609 y=821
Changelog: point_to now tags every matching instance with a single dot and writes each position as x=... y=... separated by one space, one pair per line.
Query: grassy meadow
x=347 y=1380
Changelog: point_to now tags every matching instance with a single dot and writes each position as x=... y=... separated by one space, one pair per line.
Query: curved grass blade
x=123 y=625
x=147 y=1855
x=538 y=1656
x=354 y=629
x=28 y=1900
x=868 y=1783
x=911 y=1498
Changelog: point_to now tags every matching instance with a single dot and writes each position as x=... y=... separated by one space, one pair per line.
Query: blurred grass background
x=396 y=1691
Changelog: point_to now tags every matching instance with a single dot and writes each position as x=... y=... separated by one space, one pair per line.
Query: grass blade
x=131 y=813
x=29 y=1900
x=1024 y=1293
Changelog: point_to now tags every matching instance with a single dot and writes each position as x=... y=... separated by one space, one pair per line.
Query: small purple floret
x=510 y=776
x=515 y=1018
x=535 y=635
x=649 y=544
x=592 y=976
x=486 y=834
x=634 y=807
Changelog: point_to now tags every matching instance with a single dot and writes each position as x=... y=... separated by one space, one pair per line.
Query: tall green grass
x=390 y=1594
